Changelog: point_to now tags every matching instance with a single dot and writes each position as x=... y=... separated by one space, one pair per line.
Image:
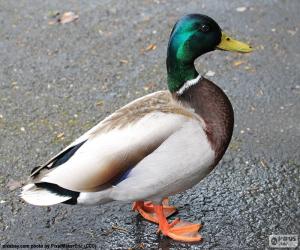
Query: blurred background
x=65 y=65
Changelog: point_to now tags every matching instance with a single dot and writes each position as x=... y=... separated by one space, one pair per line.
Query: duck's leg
x=146 y=209
x=177 y=230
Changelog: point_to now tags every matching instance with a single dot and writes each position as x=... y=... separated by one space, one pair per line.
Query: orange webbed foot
x=184 y=231
x=146 y=210
x=177 y=230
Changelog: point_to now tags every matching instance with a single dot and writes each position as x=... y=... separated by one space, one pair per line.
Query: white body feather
x=183 y=157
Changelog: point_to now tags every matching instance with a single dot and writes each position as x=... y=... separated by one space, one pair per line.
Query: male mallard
x=156 y=146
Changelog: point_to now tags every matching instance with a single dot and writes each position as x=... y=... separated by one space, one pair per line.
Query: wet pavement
x=57 y=81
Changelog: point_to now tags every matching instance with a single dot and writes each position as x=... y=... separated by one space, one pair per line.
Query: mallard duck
x=156 y=146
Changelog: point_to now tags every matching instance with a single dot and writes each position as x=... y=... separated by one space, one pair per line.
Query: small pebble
x=210 y=73
x=241 y=9
x=292 y=32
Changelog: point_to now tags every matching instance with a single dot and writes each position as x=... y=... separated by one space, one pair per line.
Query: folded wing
x=118 y=143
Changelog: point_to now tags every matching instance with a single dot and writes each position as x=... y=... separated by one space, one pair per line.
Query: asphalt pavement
x=58 y=80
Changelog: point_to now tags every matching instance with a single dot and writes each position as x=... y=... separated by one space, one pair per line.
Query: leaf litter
x=66 y=17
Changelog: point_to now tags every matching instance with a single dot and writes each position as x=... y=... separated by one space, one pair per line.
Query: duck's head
x=192 y=36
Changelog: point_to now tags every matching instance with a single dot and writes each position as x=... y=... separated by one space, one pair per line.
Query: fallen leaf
x=238 y=63
x=115 y=227
x=68 y=17
x=100 y=103
x=12 y=185
x=149 y=48
x=262 y=162
x=60 y=135
x=123 y=61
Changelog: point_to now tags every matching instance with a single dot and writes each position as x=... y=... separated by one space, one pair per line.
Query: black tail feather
x=60 y=191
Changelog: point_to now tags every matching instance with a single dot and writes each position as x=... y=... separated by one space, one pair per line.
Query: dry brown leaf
x=263 y=163
x=115 y=227
x=60 y=135
x=124 y=61
x=149 y=48
x=100 y=103
x=238 y=63
x=68 y=17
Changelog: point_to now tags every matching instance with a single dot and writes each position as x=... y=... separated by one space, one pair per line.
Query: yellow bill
x=227 y=43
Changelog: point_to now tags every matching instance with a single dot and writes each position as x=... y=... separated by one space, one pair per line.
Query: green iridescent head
x=192 y=36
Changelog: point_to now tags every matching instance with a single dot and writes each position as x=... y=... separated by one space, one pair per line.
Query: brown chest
x=214 y=107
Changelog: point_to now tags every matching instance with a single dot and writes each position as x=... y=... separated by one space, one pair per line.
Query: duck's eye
x=204 y=28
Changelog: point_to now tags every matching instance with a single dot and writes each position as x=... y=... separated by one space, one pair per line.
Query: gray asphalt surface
x=57 y=81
